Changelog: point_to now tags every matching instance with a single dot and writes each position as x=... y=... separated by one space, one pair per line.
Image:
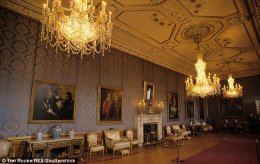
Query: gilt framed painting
x=110 y=105
x=52 y=102
x=231 y=107
x=190 y=109
x=173 y=106
x=148 y=91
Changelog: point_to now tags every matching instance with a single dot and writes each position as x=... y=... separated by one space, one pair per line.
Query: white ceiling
x=161 y=31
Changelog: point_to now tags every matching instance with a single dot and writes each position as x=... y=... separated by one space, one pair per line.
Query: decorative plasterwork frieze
x=23 y=7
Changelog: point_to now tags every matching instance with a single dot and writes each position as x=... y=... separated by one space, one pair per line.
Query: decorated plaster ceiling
x=162 y=31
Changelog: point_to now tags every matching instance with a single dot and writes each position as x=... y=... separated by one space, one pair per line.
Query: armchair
x=176 y=128
x=130 y=137
x=210 y=128
x=5 y=148
x=173 y=137
x=94 y=144
x=186 y=132
x=204 y=127
x=114 y=141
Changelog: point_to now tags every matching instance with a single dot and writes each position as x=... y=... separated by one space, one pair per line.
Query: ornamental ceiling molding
x=177 y=52
x=23 y=8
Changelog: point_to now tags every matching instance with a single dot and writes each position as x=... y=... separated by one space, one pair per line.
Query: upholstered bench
x=123 y=151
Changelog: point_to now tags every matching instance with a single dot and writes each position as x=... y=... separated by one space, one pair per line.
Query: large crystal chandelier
x=203 y=86
x=77 y=29
x=232 y=91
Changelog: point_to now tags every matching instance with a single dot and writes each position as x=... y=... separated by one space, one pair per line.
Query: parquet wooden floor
x=160 y=154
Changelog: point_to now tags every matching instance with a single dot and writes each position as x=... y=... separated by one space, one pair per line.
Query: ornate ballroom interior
x=108 y=81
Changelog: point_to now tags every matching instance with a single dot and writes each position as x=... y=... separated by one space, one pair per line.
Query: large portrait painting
x=231 y=107
x=52 y=102
x=110 y=105
x=148 y=91
x=189 y=109
x=173 y=106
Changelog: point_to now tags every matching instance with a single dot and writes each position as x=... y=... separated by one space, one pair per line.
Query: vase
x=71 y=133
x=39 y=136
x=56 y=131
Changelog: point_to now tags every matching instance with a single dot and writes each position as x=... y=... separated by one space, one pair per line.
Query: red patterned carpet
x=237 y=150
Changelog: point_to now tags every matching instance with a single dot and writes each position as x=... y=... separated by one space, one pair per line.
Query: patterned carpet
x=237 y=150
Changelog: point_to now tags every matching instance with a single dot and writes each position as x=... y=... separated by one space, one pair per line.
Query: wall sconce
x=160 y=106
x=141 y=106
x=144 y=105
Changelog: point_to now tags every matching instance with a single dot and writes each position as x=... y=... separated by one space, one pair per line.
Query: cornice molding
x=170 y=58
x=23 y=8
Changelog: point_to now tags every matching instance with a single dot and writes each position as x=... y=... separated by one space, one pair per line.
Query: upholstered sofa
x=114 y=141
x=183 y=131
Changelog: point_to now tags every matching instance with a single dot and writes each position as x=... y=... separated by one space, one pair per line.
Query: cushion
x=176 y=127
x=114 y=135
x=121 y=143
x=97 y=148
x=92 y=138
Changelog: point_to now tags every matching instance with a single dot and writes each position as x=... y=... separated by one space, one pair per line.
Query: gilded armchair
x=172 y=138
x=5 y=148
x=130 y=137
x=204 y=127
x=114 y=141
x=180 y=132
x=94 y=144
x=186 y=132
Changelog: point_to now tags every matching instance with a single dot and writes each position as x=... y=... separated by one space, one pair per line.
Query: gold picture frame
x=173 y=106
x=190 y=109
x=52 y=102
x=148 y=91
x=231 y=107
x=110 y=105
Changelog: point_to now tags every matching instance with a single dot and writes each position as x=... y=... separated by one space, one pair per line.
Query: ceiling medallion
x=192 y=31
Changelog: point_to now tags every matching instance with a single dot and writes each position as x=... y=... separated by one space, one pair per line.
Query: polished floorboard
x=160 y=154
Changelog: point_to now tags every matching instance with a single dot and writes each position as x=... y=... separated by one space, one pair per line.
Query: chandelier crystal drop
x=77 y=29
x=203 y=86
x=232 y=91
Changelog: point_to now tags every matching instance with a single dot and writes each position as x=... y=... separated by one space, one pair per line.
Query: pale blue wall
x=22 y=61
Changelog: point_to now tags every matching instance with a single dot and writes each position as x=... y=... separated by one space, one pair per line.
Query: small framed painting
x=148 y=91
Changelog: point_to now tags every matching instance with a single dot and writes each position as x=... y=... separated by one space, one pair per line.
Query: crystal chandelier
x=204 y=86
x=77 y=29
x=232 y=91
